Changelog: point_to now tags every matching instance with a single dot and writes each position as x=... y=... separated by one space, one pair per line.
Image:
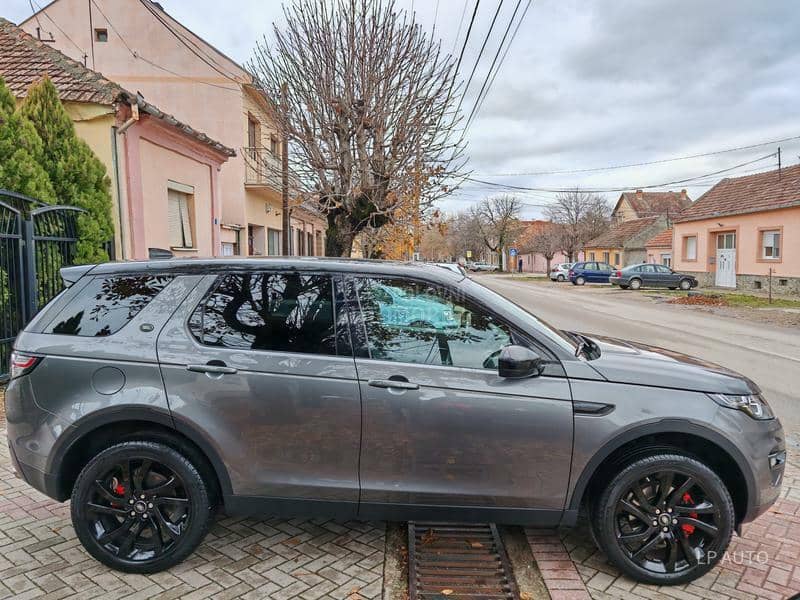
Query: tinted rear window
x=106 y=304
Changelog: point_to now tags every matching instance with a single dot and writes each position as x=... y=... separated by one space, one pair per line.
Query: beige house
x=164 y=173
x=141 y=47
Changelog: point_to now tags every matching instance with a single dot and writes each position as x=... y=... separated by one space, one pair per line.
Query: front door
x=442 y=431
x=726 y=259
x=261 y=367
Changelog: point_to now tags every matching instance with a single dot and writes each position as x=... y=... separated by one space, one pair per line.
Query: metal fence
x=36 y=240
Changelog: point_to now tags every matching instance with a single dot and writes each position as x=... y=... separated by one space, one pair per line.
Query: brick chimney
x=639 y=194
x=683 y=195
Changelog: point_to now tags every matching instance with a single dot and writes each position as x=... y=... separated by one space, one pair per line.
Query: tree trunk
x=500 y=260
x=547 y=260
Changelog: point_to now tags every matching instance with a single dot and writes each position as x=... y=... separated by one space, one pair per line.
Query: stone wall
x=750 y=283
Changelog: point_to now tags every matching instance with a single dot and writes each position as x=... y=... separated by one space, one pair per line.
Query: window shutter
x=174 y=218
x=186 y=223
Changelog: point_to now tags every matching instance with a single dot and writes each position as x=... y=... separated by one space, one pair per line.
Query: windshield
x=492 y=298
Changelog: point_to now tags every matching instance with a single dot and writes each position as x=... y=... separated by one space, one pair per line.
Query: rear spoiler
x=71 y=274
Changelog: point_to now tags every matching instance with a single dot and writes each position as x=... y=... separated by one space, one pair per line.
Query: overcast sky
x=593 y=84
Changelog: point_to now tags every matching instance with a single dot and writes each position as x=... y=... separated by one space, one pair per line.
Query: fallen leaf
x=446 y=592
x=475 y=545
x=428 y=537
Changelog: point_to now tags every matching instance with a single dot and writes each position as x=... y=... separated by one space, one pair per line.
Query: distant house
x=640 y=204
x=742 y=229
x=637 y=217
x=535 y=262
x=659 y=248
x=164 y=173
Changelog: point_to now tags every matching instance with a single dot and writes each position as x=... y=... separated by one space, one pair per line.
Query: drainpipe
x=134 y=117
x=123 y=225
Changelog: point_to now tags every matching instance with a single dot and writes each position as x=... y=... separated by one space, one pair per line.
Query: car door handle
x=393 y=383
x=212 y=368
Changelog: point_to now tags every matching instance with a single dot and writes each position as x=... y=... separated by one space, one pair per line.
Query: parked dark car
x=651 y=275
x=150 y=393
x=589 y=272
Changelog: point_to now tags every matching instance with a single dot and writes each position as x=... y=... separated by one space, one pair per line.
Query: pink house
x=742 y=231
x=164 y=173
x=140 y=46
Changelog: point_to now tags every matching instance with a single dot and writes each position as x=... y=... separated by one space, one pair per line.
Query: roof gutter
x=133 y=118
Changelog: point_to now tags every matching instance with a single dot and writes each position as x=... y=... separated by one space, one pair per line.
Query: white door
x=726 y=260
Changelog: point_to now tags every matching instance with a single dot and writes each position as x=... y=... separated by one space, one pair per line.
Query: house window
x=690 y=247
x=606 y=257
x=301 y=251
x=591 y=256
x=320 y=251
x=616 y=258
x=726 y=241
x=666 y=260
x=273 y=144
x=228 y=248
x=252 y=133
x=310 y=244
x=180 y=219
x=274 y=242
x=771 y=244
x=101 y=35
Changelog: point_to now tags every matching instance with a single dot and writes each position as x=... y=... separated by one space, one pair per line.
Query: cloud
x=593 y=83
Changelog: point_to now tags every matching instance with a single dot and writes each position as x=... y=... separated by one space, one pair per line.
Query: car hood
x=623 y=361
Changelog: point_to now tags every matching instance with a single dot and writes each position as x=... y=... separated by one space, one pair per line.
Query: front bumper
x=764 y=445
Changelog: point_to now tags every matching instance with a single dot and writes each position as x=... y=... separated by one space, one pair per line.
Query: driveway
x=768 y=354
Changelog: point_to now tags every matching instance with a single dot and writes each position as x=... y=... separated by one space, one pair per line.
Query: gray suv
x=152 y=393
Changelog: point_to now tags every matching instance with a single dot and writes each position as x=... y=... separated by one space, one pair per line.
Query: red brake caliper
x=688 y=529
x=117 y=488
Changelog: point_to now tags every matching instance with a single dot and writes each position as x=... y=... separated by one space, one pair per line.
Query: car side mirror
x=519 y=362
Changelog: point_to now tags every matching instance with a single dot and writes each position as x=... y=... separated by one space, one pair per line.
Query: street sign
x=469 y=253
x=512 y=251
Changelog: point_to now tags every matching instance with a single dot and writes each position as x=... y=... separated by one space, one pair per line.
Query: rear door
x=589 y=271
x=444 y=435
x=260 y=364
x=666 y=278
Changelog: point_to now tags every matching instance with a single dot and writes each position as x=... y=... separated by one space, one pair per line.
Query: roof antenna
x=779 y=163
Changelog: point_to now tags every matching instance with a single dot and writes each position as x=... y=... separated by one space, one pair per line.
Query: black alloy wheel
x=668 y=519
x=140 y=507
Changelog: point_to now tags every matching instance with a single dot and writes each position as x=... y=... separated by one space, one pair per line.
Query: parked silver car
x=560 y=271
x=149 y=393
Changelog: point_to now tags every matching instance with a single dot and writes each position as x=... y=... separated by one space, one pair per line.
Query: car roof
x=207 y=266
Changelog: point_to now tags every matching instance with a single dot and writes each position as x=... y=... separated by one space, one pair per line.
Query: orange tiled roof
x=617 y=235
x=748 y=194
x=24 y=60
x=660 y=240
x=651 y=204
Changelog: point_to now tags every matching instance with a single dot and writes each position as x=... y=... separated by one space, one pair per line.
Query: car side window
x=647 y=269
x=605 y=267
x=662 y=269
x=107 y=304
x=428 y=324
x=281 y=312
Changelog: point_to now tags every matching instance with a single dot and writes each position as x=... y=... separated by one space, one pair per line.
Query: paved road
x=770 y=355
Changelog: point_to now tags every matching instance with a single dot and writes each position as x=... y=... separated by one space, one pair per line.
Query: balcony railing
x=262 y=167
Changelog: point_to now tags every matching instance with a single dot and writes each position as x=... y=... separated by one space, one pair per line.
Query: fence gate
x=12 y=284
x=36 y=240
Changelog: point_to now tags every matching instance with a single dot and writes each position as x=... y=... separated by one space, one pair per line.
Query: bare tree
x=498 y=222
x=546 y=239
x=464 y=236
x=582 y=215
x=367 y=100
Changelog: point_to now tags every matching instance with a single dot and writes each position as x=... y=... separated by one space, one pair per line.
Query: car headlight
x=753 y=404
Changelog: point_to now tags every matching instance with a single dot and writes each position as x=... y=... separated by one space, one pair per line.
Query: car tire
x=685 y=285
x=635 y=283
x=672 y=287
x=694 y=506
x=580 y=280
x=140 y=507
x=560 y=278
x=623 y=287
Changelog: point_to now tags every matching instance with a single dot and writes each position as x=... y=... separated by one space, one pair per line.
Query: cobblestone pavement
x=40 y=557
x=763 y=563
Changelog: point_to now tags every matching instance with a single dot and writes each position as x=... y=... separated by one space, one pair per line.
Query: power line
x=466 y=39
x=183 y=41
x=624 y=188
x=480 y=54
x=494 y=61
x=643 y=164
x=49 y=18
x=460 y=24
x=503 y=59
x=138 y=56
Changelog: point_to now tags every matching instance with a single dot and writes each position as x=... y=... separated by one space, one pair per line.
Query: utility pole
x=286 y=241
